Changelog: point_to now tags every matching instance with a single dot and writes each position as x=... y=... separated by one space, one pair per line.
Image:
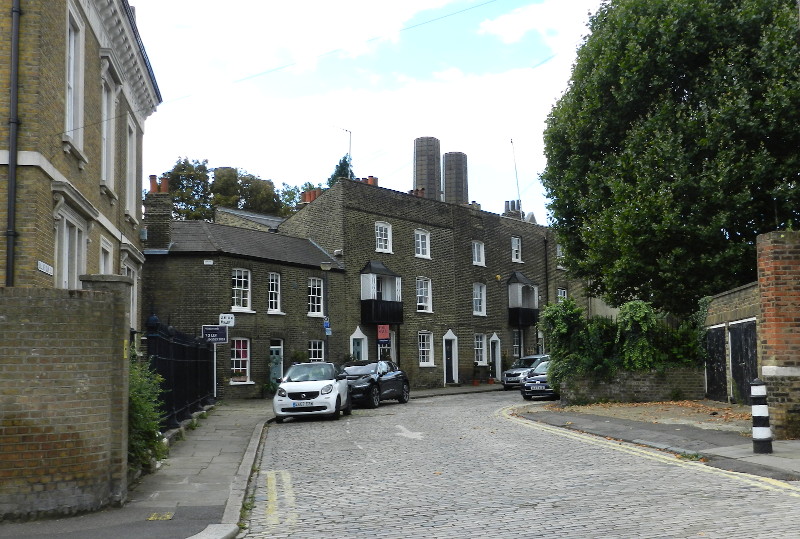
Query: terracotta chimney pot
x=153 y=183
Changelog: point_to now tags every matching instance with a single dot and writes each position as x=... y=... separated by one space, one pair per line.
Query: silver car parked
x=513 y=377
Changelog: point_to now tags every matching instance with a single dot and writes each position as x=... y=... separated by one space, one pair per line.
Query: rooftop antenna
x=516 y=175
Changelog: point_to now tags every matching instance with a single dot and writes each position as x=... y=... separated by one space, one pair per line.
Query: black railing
x=186 y=364
x=521 y=317
x=375 y=311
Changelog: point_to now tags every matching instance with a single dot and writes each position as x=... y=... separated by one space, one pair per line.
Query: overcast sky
x=283 y=90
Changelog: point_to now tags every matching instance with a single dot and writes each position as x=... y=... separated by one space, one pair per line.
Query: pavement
x=199 y=491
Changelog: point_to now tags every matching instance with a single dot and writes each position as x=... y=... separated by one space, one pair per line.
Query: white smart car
x=312 y=389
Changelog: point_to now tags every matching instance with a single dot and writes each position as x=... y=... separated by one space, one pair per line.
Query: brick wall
x=737 y=304
x=779 y=330
x=675 y=384
x=63 y=396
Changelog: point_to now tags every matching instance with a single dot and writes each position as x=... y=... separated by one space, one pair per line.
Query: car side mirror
x=278 y=380
x=341 y=376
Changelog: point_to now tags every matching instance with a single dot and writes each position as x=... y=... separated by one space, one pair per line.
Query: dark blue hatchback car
x=535 y=383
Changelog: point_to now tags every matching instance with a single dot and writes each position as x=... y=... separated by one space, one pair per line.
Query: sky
x=284 y=90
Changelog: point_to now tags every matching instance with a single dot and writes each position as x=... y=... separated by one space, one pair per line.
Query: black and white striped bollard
x=762 y=434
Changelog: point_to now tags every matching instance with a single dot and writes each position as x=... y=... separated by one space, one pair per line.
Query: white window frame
x=106 y=262
x=561 y=295
x=478 y=299
x=132 y=271
x=70 y=248
x=240 y=362
x=422 y=243
x=516 y=338
x=383 y=237
x=425 y=348
x=132 y=185
x=316 y=350
x=559 y=256
x=274 y=293
x=478 y=253
x=74 y=82
x=480 y=349
x=241 y=290
x=107 y=125
x=424 y=293
x=316 y=297
x=516 y=249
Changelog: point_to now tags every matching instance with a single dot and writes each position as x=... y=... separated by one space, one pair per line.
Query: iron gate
x=744 y=367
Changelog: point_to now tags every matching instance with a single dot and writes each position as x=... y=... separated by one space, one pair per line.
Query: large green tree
x=675 y=144
x=190 y=187
x=342 y=170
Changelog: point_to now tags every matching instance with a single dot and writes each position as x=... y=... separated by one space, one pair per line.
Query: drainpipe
x=13 y=121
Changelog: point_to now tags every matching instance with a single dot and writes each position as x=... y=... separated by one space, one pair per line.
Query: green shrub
x=144 y=400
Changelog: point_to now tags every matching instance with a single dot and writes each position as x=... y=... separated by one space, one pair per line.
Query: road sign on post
x=215 y=334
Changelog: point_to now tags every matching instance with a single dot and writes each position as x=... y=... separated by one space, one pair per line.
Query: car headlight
x=361 y=383
x=281 y=392
x=327 y=389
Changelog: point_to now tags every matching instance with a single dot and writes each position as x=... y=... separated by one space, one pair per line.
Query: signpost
x=217 y=334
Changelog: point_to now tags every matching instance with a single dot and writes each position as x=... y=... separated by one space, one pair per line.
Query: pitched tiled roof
x=203 y=237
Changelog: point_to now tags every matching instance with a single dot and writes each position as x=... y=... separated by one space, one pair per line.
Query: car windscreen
x=306 y=372
x=541 y=368
x=523 y=362
x=361 y=368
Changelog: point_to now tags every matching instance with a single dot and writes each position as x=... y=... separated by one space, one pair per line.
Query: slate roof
x=203 y=237
x=272 y=221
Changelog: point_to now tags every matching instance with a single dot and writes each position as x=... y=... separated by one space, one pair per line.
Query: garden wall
x=652 y=386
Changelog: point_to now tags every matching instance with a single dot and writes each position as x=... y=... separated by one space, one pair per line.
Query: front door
x=744 y=366
x=449 y=368
x=275 y=359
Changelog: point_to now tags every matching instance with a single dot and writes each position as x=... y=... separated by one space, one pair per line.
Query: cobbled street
x=465 y=466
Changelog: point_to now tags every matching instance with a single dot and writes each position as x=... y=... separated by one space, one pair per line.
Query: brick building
x=275 y=285
x=76 y=87
x=79 y=85
x=458 y=289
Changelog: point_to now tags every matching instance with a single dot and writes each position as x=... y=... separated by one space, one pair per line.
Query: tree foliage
x=675 y=145
x=189 y=185
x=343 y=170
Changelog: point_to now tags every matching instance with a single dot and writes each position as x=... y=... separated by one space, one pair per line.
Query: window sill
x=479 y=314
x=384 y=251
x=426 y=311
x=518 y=261
x=131 y=218
x=71 y=148
x=109 y=192
x=279 y=313
x=242 y=310
x=316 y=315
x=422 y=256
x=481 y=264
x=249 y=383
x=427 y=365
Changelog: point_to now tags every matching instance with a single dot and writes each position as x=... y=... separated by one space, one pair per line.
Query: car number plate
x=302 y=404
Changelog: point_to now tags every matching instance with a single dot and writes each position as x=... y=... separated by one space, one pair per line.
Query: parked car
x=374 y=381
x=316 y=388
x=514 y=376
x=536 y=385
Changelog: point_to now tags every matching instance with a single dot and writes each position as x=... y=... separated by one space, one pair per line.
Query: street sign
x=383 y=333
x=328 y=331
x=215 y=334
x=226 y=319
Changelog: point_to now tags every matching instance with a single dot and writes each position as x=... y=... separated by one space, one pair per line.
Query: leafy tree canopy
x=675 y=145
x=190 y=187
x=342 y=170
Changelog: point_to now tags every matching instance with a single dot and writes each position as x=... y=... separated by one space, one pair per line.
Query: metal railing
x=186 y=363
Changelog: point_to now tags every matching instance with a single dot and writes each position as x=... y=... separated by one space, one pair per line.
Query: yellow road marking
x=161 y=516
x=766 y=483
x=279 y=486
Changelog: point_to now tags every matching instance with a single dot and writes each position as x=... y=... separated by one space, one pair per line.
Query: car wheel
x=404 y=394
x=374 y=397
x=278 y=419
x=349 y=409
x=335 y=414
x=527 y=397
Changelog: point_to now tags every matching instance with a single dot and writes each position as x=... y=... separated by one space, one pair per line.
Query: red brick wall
x=779 y=329
x=63 y=382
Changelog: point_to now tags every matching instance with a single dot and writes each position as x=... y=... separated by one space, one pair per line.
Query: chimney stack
x=158 y=214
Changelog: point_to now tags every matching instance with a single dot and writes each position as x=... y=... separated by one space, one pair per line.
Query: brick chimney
x=158 y=215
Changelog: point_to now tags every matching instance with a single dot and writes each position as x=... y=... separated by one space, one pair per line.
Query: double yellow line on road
x=766 y=483
x=279 y=488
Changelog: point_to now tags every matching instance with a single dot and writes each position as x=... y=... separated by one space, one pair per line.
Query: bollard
x=762 y=434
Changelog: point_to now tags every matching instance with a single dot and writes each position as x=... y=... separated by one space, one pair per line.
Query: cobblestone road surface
x=466 y=466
